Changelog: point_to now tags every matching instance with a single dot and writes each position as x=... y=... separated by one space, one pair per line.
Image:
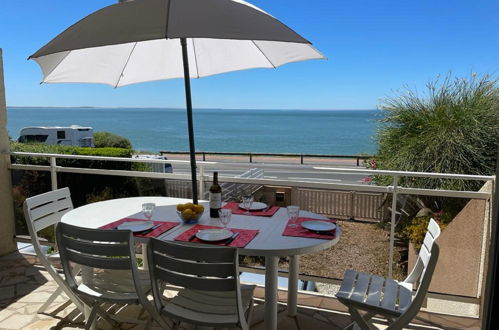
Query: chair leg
x=52 y=297
x=91 y=318
x=361 y=320
x=250 y=312
x=102 y=313
x=148 y=323
x=176 y=325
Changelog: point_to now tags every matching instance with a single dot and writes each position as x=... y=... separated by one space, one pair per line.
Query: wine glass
x=293 y=213
x=225 y=215
x=247 y=202
x=148 y=209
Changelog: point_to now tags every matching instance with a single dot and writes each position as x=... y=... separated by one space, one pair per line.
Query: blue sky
x=373 y=48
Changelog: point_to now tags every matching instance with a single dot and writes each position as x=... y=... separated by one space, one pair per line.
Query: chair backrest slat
x=49 y=197
x=60 y=206
x=424 y=255
x=95 y=248
x=196 y=253
x=96 y=235
x=44 y=222
x=46 y=209
x=98 y=262
x=428 y=241
x=195 y=268
x=425 y=252
x=107 y=249
x=434 y=229
x=193 y=282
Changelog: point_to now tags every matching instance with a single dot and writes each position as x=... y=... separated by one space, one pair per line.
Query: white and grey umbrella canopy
x=139 y=41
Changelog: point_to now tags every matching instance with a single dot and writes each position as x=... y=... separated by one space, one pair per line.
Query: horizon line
x=176 y=108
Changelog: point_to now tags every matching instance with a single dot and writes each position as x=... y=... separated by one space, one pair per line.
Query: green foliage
x=84 y=188
x=108 y=139
x=453 y=128
x=416 y=229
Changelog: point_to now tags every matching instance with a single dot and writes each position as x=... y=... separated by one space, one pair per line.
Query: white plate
x=256 y=206
x=213 y=235
x=318 y=225
x=136 y=226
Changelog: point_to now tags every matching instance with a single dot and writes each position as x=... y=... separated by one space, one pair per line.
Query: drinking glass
x=247 y=202
x=293 y=213
x=148 y=209
x=225 y=215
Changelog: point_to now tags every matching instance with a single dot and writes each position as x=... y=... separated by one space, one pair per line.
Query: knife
x=147 y=231
x=193 y=236
x=329 y=233
x=230 y=239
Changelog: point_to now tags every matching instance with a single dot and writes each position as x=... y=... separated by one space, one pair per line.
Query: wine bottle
x=215 y=197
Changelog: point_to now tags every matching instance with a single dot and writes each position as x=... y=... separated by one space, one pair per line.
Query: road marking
x=270 y=177
x=314 y=179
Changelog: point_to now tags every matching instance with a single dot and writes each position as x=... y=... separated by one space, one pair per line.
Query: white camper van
x=69 y=136
x=157 y=167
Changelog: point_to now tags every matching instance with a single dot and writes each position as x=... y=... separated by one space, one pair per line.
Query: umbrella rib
x=195 y=57
x=254 y=43
x=124 y=66
x=167 y=18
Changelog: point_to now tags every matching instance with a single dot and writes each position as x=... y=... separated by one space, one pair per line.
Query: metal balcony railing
x=360 y=200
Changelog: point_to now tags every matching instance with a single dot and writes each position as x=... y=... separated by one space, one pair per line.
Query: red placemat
x=234 y=206
x=165 y=226
x=299 y=231
x=245 y=236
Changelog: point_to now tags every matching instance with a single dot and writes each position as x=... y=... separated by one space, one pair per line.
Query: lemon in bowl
x=189 y=212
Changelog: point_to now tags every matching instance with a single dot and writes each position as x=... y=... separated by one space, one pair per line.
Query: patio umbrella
x=146 y=40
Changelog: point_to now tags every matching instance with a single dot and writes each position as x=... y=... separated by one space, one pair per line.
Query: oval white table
x=269 y=243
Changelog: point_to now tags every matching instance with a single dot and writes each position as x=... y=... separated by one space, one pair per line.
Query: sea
x=337 y=132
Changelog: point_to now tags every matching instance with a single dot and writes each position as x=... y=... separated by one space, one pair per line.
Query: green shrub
x=453 y=128
x=108 y=139
x=416 y=229
x=84 y=188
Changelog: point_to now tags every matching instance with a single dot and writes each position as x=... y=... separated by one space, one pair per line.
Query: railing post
x=201 y=180
x=392 y=224
x=352 y=205
x=204 y=156
x=294 y=196
x=53 y=172
x=251 y=157
x=301 y=159
x=358 y=161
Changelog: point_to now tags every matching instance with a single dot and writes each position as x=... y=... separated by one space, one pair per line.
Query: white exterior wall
x=7 y=227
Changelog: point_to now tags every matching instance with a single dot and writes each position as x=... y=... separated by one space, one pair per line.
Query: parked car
x=157 y=167
x=69 y=135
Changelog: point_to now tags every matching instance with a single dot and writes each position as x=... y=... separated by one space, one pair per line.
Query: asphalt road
x=288 y=174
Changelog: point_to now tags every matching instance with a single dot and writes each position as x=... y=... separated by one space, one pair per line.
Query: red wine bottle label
x=215 y=200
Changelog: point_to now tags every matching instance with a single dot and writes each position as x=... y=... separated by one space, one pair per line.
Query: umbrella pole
x=192 y=149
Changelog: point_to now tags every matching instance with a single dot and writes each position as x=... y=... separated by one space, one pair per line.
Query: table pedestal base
x=294 y=266
x=270 y=317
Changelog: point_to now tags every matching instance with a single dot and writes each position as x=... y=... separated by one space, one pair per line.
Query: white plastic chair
x=109 y=269
x=211 y=294
x=40 y=212
x=375 y=295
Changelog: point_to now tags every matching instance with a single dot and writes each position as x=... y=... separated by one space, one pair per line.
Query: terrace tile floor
x=25 y=286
